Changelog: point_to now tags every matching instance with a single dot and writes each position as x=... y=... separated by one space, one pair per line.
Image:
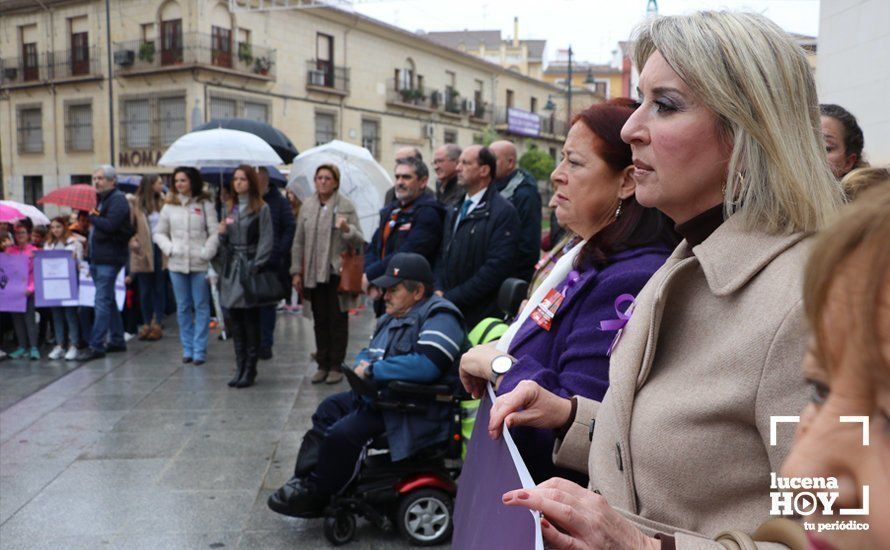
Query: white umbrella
x=35 y=215
x=362 y=179
x=219 y=147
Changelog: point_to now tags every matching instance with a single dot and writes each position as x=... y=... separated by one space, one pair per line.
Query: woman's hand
x=223 y=226
x=342 y=224
x=575 y=517
x=528 y=405
x=475 y=367
x=298 y=284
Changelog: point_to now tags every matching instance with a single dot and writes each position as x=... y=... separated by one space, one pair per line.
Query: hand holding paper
x=576 y=517
x=528 y=405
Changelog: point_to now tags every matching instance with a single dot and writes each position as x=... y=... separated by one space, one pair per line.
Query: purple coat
x=571 y=359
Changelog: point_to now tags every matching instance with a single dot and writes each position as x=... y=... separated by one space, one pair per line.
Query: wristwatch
x=500 y=365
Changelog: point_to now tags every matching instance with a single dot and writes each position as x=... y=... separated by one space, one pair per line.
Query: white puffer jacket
x=187 y=234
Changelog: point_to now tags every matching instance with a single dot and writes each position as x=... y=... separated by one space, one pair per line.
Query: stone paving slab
x=138 y=450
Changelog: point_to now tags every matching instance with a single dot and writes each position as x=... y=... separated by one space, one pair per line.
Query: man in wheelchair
x=420 y=340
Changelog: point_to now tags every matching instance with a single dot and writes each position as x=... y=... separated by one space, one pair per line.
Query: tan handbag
x=778 y=530
x=352 y=267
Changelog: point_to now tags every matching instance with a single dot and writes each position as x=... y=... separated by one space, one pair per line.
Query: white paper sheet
x=57 y=289
x=55 y=268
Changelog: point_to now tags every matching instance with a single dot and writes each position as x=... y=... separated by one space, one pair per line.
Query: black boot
x=240 y=363
x=249 y=374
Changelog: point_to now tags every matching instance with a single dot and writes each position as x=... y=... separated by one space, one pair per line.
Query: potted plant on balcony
x=147 y=52
x=245 y=52
x=262 y=65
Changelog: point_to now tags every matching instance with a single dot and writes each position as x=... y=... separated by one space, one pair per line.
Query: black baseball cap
x=405 y=266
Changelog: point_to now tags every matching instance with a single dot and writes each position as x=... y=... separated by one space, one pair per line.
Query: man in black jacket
x=410 y=223
x=283 y=228
x=521 y=189
x=479 y=243
x=108 y=251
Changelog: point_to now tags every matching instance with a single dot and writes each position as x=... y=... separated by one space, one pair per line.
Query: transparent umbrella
x=219 y=147
x=362 y=179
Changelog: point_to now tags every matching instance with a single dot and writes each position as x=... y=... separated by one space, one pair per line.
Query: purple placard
x=493 y=467
x=523 y=123
x=55 y=278
x=13 y=282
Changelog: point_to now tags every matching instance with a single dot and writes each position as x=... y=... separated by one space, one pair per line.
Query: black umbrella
x=271 y=135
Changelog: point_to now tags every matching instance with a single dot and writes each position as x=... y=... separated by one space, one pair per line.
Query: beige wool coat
x=713 y=348
x=315 y=254
x=141 y=252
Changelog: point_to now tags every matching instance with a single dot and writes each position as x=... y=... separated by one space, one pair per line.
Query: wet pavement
x=137 y=450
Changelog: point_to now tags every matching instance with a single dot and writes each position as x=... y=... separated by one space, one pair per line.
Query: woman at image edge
x=726 y=142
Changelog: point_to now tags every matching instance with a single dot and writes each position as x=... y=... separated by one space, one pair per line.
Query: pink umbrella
x=10 y=214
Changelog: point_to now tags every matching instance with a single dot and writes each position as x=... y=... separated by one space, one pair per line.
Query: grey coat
x=246 y=245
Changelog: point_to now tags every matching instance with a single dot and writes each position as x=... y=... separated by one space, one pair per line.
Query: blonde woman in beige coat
x=327 y=226
x=726 y=143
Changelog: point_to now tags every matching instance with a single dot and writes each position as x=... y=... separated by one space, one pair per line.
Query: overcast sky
x=593 y=27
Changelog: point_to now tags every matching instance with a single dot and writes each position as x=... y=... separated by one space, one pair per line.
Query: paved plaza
x=137 y=450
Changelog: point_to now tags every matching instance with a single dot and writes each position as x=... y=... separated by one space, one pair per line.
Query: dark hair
x=420 y=169
x=196 y=184
x=255 y=201
x=411 y=286
x=487 y=158
x=24 y=222
x=854 y=141
x=637 y=224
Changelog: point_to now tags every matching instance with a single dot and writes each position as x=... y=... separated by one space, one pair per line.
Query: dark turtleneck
x=699 y=228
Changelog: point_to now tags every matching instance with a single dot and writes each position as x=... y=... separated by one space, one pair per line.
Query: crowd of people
x=701 y=255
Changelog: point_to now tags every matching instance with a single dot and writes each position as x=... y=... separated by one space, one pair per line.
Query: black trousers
x=347 y=426
x=331 y=325
x=244 y=326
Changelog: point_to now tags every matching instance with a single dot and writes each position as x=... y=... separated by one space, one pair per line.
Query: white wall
x=853 y=67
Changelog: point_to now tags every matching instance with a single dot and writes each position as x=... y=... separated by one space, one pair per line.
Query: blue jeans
x=62 y=315
x=153 y=290
x=108 y=321
x=192 y=312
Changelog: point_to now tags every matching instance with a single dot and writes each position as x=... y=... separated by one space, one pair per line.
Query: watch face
x=501 y=364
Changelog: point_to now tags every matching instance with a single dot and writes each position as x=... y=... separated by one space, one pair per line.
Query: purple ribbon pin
x=623 y=317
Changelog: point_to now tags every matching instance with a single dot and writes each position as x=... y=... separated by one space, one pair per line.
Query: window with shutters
x=136 y=123
x=30 y=130
x=371 y=137
x=222 y=107
x=79 y=127
x=221 y=47
x=324 y=128
x=256 y=111
x=171 y=119
x=450 y=136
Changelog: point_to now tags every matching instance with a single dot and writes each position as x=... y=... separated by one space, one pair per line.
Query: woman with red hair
x=562 y=337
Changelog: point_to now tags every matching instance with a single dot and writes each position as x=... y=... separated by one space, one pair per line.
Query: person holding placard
x=25 y=323
x=60 y=238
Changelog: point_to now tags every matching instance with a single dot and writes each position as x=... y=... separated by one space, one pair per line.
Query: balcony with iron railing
x=194 y=49
x=59 y=66
x=325 y=77
x=480 y=113
x=414 y=97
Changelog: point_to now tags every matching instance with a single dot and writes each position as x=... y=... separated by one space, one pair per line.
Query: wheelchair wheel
x=425 y=517
x=339 y=528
